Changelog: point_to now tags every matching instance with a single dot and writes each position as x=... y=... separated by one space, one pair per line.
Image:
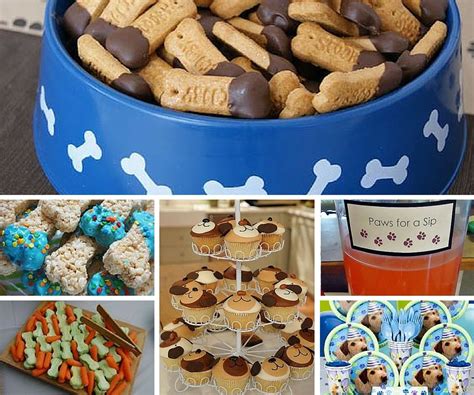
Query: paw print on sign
x=421 y=236
x=378 y=241
x=364 y=233
x=408 y=243
x=392 y=236
x=436 y=239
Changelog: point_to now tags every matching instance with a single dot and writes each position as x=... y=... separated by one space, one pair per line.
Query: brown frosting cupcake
x=207 y=236
x=230 y=275
x=225 y=225
x=206 y=278
x=180 y=287
x=268 y=276
x=304 y=337
x=271 y=374
x=281 y=303
x=198 y=305
x=231 y=373
x=196 y=367
x=296 y=355
x=173 y=348
x=182 y=328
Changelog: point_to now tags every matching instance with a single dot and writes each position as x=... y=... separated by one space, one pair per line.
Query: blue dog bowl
x=91 y=139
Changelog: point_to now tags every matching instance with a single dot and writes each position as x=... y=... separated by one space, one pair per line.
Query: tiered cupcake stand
x=216 y=337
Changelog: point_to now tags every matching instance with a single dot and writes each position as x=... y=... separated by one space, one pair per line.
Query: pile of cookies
x=78 y=247
x=256 y=58
x=54 y=343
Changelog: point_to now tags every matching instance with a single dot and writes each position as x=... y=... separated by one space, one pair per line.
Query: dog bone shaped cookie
x=359 y=12
x=53 y=371
x=87 y=360
x=30 y=361
x=229 y=8
x=375 y=171
x=56 y=346
x=66 y=352
x=154 y=74
x=80 y=13
x=315 y=45
x=190 y=45
x=99 y=341
x=76 y=381
x=135 y=165
x=387 y=43
x=109 y=372
x=429 y=11
x=133 y=44
x=272 y=38
x=117 y=13
x=433 y=127
x=245 y=46
x=339 y=90
x=28 y=338
x=325 y=173
x=246 y=96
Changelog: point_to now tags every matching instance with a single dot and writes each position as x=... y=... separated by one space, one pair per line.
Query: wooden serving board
x=6 y=358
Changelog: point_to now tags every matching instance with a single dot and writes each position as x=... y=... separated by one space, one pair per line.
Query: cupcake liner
x=271 y=241
x=172 y=364
x=269 y=386
x=197 y=378
x=199 y=315
x=301 y=372
x=209 y=245
x=242 y=250
x=244 y=321
x=232 y=284
x=232 y=386
x=265 y=286
x=282 y=314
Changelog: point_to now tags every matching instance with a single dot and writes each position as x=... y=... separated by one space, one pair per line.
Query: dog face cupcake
x=281 y=303
x=196 y=367
x=303 y=336
x=295 y=326
x=271 y=374
x=268 y=276
x=182 y=329
x=272 y=234
x=241 y=310
x=243 y=240
x=173 y=348
x=299 y=358
x=230 y=275
x=198 y=305
x=207 y=237
x=292 y=280
x=231 y=374
x=207 y=278
x=182 y=286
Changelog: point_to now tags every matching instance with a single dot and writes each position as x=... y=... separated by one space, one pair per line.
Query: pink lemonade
x=370 y=274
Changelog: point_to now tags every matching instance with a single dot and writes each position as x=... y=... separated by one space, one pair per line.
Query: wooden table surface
x=20 y=172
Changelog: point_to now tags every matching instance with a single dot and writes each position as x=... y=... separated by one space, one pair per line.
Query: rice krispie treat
x=129 y=257
x=65 y=214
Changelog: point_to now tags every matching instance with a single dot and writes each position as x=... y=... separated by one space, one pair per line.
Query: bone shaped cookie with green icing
x=76 y=381
x=53 y=371
x=28 y=338
x=101 y=348
x=30 y=361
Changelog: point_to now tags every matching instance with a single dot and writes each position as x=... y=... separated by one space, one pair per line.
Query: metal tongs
x=115 y=334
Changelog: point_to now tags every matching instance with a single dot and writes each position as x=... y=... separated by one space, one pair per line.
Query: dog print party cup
x=400 y=352
x=425 y=369
x=347 y=340
x=458 y=377
x=450 y=340
x=338 y=376
x=373 y=369
x=370 y=314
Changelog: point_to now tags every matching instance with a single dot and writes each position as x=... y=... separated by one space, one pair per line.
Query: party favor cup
x=400 y=352
x=458 y=377
x=338 y=376
x=93 y=139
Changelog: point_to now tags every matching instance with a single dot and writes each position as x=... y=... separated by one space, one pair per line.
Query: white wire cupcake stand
x=221 y=343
